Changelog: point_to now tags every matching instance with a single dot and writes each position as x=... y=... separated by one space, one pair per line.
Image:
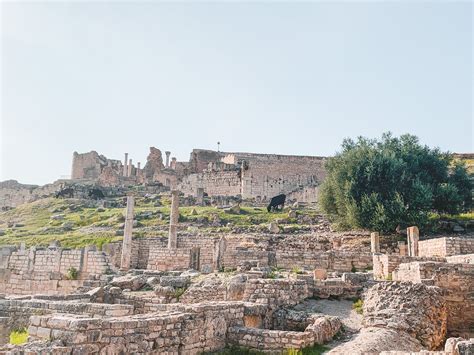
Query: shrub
x=72 y=273
x=19 y=336
x=357 y=306
x=179 y=292
x=296 y=270
x=380 y=185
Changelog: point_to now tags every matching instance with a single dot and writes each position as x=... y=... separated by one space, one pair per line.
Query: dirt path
x=351 y=320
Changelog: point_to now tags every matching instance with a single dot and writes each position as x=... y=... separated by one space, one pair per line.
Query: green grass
x=235 y=350
x=316 y=349
x=92 y=226
x=18 y=337
x=296 y=270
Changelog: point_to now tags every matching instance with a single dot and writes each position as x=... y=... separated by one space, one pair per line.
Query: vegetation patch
x=395 y=181
x=72 y=273
x=316 y=349
x=357 y=306
x=19 y=336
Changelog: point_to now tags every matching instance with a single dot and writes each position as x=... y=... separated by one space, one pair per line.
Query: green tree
x=380 y=184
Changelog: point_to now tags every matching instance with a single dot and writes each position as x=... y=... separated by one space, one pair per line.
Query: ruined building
x=249 y=175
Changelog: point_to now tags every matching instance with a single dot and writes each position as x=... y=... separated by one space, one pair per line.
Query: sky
x=268 y=77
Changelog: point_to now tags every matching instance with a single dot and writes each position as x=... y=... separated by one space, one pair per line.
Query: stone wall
x=446 y=246
x=4 y=330
x=214 y=183
x=334 y=260
x=285 y=252
x=18 y=311
x=307 y=194
x=322 y=330
x=384 y=265
x=457 y=282
x=260 y=176
x=276 y=292
x=269 y=175
x=463 y=259
x=194 y=330
x=27 y=271
x=164 y=259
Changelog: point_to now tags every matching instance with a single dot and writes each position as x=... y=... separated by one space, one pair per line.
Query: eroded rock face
x=399 y=316
x=416 y=309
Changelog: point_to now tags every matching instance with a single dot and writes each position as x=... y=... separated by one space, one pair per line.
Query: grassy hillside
x=75 y=223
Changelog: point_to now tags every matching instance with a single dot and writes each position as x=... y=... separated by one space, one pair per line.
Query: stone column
x=413 y=235
x=374 y=242
x=402 y=248
x=129 y=172
x=167 y=165
x=174 y=217
x=173 y=163
x=219 y=250
x=138 y=169
x=127 y=235
x=200 y=196
x=125 y=169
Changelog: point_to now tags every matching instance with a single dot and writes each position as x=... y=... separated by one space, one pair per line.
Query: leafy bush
x=380 y=185
x=179 y=292
x=72 y=273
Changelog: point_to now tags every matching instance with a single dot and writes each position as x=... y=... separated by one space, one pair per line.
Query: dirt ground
x=351 y=320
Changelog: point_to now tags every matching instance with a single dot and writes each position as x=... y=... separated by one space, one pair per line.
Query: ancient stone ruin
x=196 y=265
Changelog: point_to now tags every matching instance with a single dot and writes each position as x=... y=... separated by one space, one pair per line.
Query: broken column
x=138 y=168
x=167 y=165
x=374 y=242
x=173 y=163
x=129 y=172
x=200 y=196
x=127 y=235
x=413 y=235
x=219 y=250
x=174 y=217
x=125 y=169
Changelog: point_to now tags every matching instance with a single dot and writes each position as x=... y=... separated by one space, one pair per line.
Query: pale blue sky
x=289 y=78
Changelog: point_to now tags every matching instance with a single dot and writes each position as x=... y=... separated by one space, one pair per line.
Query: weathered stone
x=273 y=227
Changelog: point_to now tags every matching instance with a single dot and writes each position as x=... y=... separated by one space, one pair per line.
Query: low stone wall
x=463 y=259
x=17 y=313
x=335 y=288
x=446 y=246
x=27 y=271
x=276 y=292
x=169 y=259
x=457 y=282
x=265 y=339
x=385 y=264
x=201 y=328
x=334 y=260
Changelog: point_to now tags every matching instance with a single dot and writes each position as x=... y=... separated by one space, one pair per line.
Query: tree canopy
x=394 y=181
